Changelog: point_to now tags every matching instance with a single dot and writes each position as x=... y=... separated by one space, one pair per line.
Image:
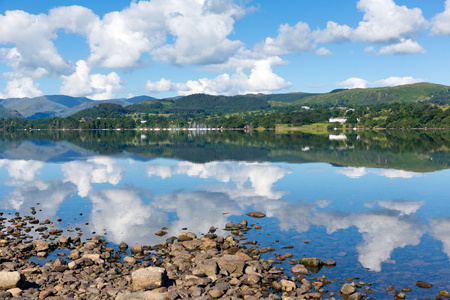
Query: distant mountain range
x=63 y=106
x=55 y=105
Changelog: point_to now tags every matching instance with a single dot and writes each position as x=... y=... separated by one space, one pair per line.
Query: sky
x=166 y=48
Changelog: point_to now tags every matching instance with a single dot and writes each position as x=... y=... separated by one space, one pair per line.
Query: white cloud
x=34 y=54
x=23 y=170
x=405 y=46
x=394 y=81
x=404 y=207
x=94 y=86
x=384 y=22
x=441 y=22
x=95 y=170
x=323 y=52
x=396 y=173
x=353 y=83
x=440 y=229
x=261 y=79
x=295 y=39
x=352 y=172
x=22 y=87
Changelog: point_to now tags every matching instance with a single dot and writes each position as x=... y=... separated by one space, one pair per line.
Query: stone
x=137 y=250
x=129 y=260
x=424 y=285
x=234 y=265
x=45 y=294
x=299 y=270
x=311 y=262
x=148 y=278
x=186 y=236
x=266 y=249
x=123 y=246
x=143 y=296
x=287 y=285
x=40 y=245
x=15 y=292
x=256 y=214
x=64 y=239
x=161 y=233
x=209 y=267
x=10 y=280
x=192 y=245
x=355 y=296
x=348 y=289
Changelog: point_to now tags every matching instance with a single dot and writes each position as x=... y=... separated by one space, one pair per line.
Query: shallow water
x=377 y=203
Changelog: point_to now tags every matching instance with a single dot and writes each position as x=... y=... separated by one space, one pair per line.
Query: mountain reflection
x=131 y=211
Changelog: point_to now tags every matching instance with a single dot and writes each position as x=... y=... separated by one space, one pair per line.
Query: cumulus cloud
x=95 y=170
x=440 y=229
x=382 y=232
x=353 y=172
x=440 y=24
x=94 y=86
x=23 y=170
x=405 y=46
x=22 y=87
x=404 y=207
x=353 y=83
x=323 y=52
x=261 y=79
x=384 y=22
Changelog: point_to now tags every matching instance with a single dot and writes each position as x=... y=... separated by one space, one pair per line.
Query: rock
x=161 y=233
x=406 y=290
x=266 y=249
x=143 y=296
x=311 y=262
x=64 y=239
x=355 y=296
x=348 y=289
x=424 y=285
x=329 y=263
x=137 y=250
x=399 y=295
x=40 y=245
x=192 y=245
x=45 y=294
x=148 y=278
x=73 y=255
x=256 y=214
x=444 y=294
x=186 y=236
x=129 y=260
x=287 y=285
x=209 y=267
x=94 y=257
x=234 y=265
x=123 y=246
x=299 y=270
x=10 y=280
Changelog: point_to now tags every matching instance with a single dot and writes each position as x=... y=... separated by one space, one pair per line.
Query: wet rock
x=287 y=285
x=10 y=280
x=266 y=249
x=424 y=285
x=355 y=296
x=186 y=236
x=329 y=263
x=311 y=262
x=399 y=295
x=348 y=289
x=256 y=214
x=40 y=245
x=444 y=294
x=161 y=233
x=137 y=250
x=299 y=270
x=148 y=278
x=123 y=246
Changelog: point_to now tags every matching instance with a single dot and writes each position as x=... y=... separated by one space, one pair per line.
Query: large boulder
x=10 y=280
x=148 y=278
x=233 y=264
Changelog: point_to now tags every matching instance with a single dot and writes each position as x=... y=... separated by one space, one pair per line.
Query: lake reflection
x=375 y=215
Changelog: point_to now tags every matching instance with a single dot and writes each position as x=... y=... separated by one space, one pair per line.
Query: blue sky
x=165 y=48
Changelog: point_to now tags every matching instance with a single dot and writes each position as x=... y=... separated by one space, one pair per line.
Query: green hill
x=103 y=110
x=411 y=93
x=9 y=113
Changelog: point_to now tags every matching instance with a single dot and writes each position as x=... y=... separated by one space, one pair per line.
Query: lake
x=376 y=202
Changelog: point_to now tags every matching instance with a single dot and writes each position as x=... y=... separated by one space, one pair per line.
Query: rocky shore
x=183 y=267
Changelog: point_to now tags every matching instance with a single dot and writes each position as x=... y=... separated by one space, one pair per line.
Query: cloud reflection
x=353 y=172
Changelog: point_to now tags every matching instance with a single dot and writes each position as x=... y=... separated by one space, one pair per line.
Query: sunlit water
x=328 y=197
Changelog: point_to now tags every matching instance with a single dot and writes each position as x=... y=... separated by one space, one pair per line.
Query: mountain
x=139 y=99
x=102 y=110
x=9 y=113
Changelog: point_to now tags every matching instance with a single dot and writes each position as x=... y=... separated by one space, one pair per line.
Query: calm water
x=377 y=203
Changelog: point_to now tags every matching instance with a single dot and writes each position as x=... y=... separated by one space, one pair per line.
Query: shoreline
x=186 y=267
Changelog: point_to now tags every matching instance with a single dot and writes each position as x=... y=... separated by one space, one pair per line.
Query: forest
x=114 y=116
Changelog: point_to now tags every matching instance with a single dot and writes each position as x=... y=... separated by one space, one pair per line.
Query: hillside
x=102 y=110
x=412 y=93
x=198 y=103
x=9 y=113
